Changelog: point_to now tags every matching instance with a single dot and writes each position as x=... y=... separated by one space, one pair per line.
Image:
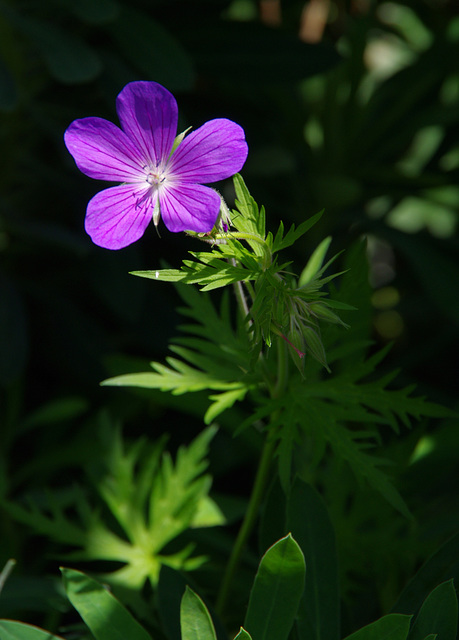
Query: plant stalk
x=248 y=522
x=258 y=491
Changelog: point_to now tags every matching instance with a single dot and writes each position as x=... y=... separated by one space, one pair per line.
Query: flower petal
x=186 y=207
x=215 y=151
x=148 y=114
x=102 y=151
x=118 y=216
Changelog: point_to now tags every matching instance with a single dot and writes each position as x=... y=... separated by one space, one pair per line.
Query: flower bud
x=314 y=345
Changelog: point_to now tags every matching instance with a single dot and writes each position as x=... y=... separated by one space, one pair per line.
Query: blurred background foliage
x=348 y=105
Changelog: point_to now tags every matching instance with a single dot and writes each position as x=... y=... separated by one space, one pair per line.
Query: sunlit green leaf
x=12 y=630
x=314 y=263
x=276 y=591
x=195 y=620
x=102 y=612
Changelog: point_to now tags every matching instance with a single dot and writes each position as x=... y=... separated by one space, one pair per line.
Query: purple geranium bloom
x=156 y=180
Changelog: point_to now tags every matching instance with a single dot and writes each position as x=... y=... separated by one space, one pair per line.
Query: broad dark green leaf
x=106 y=618
x=441 y=566
x=156 y=53
x=68 y=58
x=12 y=630
x=394 y=626
x=276 y=591
x=195 y=620
x=438 y=614
x=272 y=522
x=308 y=520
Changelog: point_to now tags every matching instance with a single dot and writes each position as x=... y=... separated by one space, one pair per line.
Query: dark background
x=351 y=106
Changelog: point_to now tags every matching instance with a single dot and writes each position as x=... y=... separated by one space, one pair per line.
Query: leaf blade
x=276 y=591
x=102 y=612
x=195 y=620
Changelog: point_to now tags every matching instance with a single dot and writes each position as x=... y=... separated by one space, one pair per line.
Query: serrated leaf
x=325 y=424
x=224 y=401
x=280 y=242
x=218 y=359
x=250 y=219
x=208 y=514
x=176 y=495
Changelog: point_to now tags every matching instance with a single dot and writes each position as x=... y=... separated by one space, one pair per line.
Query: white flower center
x=155 y=176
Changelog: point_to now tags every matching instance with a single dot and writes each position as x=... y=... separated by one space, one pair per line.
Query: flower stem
x=259 y=486
x=248 y=522
x=240 y=297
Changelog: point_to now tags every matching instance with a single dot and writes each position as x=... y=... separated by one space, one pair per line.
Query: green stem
x=258 y=489
x=247 y=524
x=282 y=369
x=240 y=297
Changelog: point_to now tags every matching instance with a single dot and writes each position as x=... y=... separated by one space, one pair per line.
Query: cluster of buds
x=303 y=312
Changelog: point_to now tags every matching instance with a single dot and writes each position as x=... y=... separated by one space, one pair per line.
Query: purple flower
x=156 y=180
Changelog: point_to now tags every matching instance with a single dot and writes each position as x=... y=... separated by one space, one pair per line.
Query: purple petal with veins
x=102 y=151
x=117 y=217
x=148 y=114
x=215 y=151
x=189 y=207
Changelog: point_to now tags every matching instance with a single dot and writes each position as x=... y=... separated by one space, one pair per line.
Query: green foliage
x=441 y=566
x=438 y=614
x=152 y=499
x=277 y=304
x=276 y=591
x=344 y=412
x=104 y=615
x=12 y=630
x=319 y=609
x=374 y=141
x=220 y=357
x=394 y=626
x=195 y=620
x=320 y=411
